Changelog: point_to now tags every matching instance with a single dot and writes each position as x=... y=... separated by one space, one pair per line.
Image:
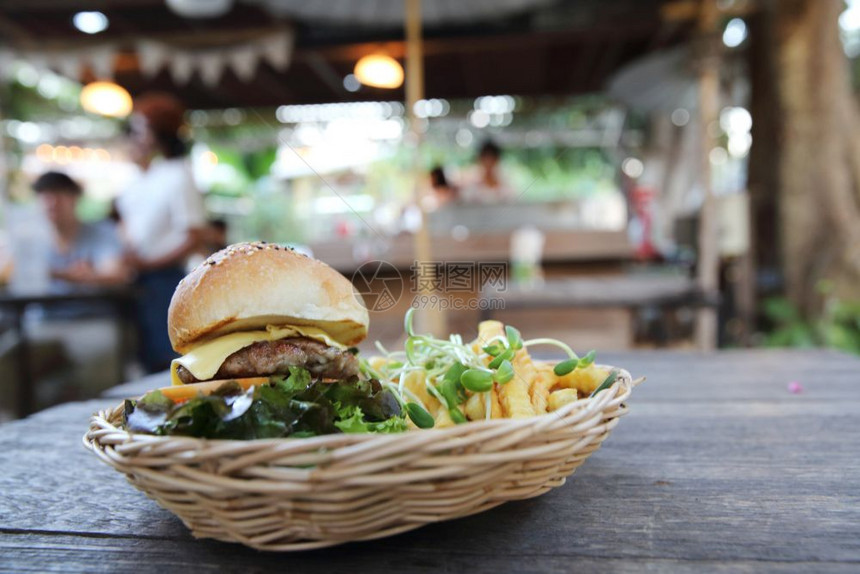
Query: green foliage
x=504 y=373
x=551 y=173
x=477 y=380
x=419 y=416
x=841 y=329
x=837 y=328
x=272 y=215
x=352 y=420
x=286 y=406
x=608 y=382
x=26 y=103
x=248 y=167
x=93 y=209
x=566 y=367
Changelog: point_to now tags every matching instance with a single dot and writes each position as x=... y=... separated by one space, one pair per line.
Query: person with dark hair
x=82 y=253
x=443 y=191
x=162 y=216
x=485 y=183
x=489 y=149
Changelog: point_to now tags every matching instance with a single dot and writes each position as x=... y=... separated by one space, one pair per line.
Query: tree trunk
x=819 y=227
x=763 y=174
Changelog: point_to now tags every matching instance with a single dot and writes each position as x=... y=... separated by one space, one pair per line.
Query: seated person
x=443 y=191
x=82 y=253
x=83 y=335
x=485 y=182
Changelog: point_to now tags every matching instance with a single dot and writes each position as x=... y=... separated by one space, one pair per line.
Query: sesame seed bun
x=247 y=286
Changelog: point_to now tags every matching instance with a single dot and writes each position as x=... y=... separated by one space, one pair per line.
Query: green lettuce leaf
x=352 y=421
x=297 y=381
x=294 y=406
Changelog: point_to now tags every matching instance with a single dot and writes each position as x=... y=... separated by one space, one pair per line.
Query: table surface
x=717 y=466
x=632 y=290
x=16 y=303
x=54 y=296
x=559 y=246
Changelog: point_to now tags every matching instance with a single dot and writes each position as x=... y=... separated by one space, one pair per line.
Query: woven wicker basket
x=296 y=494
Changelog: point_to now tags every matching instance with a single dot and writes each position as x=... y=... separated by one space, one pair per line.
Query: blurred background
x=620 y=174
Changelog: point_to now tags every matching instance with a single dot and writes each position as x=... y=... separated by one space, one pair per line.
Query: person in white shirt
x=162 y=215
x=485 y=182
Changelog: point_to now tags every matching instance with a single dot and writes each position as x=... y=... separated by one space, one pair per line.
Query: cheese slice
x=204 y=360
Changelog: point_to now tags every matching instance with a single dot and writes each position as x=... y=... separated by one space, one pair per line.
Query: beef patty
x=276 y=357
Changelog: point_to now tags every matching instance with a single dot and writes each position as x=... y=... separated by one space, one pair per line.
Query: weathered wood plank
x=65 y=553
x=759 y=374
x=727 y=471
x=600 y=292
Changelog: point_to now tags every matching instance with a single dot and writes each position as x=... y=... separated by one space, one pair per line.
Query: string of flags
x=208 y=62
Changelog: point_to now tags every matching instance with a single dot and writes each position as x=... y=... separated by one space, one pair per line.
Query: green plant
x=838 y=326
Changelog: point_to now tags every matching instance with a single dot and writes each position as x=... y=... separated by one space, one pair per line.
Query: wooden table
x=632 y=290
x=560 y=246
x=119 y=299
x=717 y=467
x=627 y=293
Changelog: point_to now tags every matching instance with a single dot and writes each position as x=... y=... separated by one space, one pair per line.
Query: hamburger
x=257 y=310
x=266 y=339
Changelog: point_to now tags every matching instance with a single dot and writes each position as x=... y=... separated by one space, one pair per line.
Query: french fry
x=541 y=387
x=414 y=381
x=513 y=395
x=487 y=330
x=496 y=404
x=475 y=409
x=584 y=379
x=443 y=419
x=476 y=406
x=560 y=398
x=377 y=362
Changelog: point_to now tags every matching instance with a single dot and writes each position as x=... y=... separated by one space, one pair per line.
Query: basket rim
x=101 y=423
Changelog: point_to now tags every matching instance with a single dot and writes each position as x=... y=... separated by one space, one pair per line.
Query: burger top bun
x=247 y=286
